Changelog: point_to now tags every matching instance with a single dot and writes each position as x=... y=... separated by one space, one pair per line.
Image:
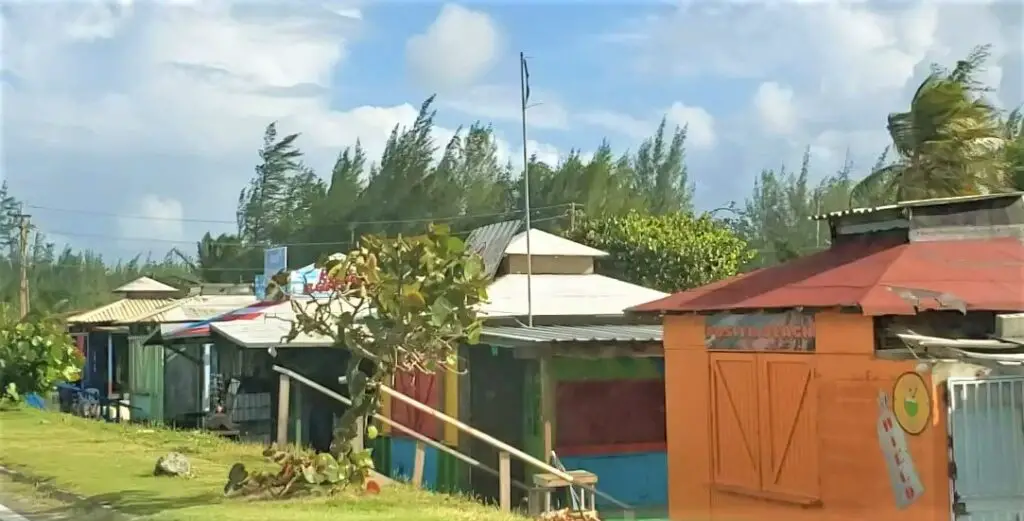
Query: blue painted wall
x=639 y=479
x=403 y=454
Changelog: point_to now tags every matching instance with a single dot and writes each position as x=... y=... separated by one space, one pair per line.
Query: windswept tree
x=950 y=142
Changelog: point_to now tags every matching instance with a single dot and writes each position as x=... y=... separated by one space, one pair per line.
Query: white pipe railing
x=505 y=449
x=397 y=426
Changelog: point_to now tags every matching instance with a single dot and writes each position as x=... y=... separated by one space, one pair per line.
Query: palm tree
x=1014 y=135
x=951 y=141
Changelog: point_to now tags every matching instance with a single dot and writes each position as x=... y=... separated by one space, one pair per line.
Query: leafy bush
x=34 y=355
x=669 y=252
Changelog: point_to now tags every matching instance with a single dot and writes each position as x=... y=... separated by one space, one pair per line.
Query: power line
x=193 y=241
x=354 y=223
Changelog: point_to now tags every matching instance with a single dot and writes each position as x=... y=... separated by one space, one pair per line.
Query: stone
x=173 y=464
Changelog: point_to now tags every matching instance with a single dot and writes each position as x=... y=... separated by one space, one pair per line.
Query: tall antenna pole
x=524 y=96
x=23 y=263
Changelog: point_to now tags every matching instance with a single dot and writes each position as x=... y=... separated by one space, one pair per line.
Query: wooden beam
x=547 y=407
x=505 y=481
x=592 y=350
x=283 y=398
x=418 y=463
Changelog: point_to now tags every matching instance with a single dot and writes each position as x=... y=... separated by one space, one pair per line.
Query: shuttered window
x=764 y=425
x=608 y=416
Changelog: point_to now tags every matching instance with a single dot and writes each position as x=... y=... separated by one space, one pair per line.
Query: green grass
x=113 y=464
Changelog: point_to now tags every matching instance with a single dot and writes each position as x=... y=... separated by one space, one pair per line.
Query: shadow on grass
x=132 y=503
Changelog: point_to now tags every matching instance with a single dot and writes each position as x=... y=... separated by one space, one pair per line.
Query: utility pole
x=524 y=96
x=572 y=217
x=23 y=227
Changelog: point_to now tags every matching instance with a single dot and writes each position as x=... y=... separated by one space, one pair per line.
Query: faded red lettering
x=909 y=493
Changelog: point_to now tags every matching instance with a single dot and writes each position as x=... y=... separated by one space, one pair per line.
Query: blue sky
x=155 y=110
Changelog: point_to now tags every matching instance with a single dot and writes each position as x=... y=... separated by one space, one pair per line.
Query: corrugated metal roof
x=870 y=274
x=262 y=334
x=594 y=333
x=917 y=203
x=122 y=311
x=200 y=307
x=491 y=241
x=544 y=243
x=564 y=295
x=145 y=285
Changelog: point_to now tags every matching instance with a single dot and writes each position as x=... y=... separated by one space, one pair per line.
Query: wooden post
x=419 y=461
x=505 y=481
x=298 y=416
x=547 y=407
x=283 y=398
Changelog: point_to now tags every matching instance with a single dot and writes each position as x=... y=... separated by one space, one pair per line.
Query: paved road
x=6 y=514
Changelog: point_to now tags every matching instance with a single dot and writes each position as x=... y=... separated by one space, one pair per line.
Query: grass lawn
x=113 y=464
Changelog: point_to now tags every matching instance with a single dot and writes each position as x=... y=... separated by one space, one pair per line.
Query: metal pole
x=526 y=189
x=23 y=227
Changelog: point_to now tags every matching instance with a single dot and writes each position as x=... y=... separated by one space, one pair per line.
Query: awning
x=262 y=334
x=515 y=336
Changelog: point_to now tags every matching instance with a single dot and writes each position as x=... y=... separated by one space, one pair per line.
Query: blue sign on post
x=259 y=287
x=275 y=260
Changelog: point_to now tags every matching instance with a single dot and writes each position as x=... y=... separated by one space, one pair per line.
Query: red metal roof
x=985 y=274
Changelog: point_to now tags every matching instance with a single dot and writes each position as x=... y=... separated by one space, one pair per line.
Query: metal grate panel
x=986 y=421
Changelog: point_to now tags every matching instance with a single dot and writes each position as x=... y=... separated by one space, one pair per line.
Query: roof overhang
x=583 y=341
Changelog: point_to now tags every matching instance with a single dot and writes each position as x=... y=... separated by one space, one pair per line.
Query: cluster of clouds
x=165 y=125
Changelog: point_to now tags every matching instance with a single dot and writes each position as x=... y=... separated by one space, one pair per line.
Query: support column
x=283 y=399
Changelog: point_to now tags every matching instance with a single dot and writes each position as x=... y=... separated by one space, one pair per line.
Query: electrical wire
x=353 y=223
x=193 y=241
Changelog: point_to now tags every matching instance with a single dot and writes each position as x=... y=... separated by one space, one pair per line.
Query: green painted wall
x=575 y=369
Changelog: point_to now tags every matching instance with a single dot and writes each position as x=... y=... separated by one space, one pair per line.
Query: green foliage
x=300 y=472
x=669 y=252
x=34 y=355
x=950 y=142
x=395 y=304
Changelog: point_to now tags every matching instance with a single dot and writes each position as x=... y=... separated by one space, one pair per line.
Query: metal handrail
x=398 y=426
x=490 y=440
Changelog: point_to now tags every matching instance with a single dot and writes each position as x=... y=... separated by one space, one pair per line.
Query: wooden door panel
x=789 y=437
x=734 y=415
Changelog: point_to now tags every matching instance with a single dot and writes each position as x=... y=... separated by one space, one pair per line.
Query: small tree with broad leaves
x=396 y=304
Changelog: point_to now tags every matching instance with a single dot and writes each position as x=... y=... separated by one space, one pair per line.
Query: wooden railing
x=505 y=451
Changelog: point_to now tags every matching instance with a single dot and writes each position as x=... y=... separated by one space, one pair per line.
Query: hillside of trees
x=950 y=140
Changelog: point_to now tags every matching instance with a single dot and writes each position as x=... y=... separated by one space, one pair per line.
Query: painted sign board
x=903 y=478
x=275 y=260
x=784 y=331
x=911 y=403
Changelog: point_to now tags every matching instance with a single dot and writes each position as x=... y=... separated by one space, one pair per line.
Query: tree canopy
x=949 y=139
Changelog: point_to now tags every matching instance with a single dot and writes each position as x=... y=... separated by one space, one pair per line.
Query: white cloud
x=154 y=217
x=169 y=108
x=619 y=122
x=501 y=103
x=776 y=108
x=456 y=49
x=699 y=122
x=829 y=72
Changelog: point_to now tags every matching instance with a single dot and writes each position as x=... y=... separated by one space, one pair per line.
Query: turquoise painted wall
x=638 y=479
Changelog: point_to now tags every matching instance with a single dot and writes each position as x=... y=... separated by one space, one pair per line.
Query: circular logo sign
x=911 y=403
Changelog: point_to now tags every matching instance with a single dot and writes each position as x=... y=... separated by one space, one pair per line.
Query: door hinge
x=949 y=440
x=944 y=395
x=952 y=470
x=959 y=509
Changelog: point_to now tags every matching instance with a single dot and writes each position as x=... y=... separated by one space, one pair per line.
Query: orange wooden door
x=735 y=446
x=788 y=425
